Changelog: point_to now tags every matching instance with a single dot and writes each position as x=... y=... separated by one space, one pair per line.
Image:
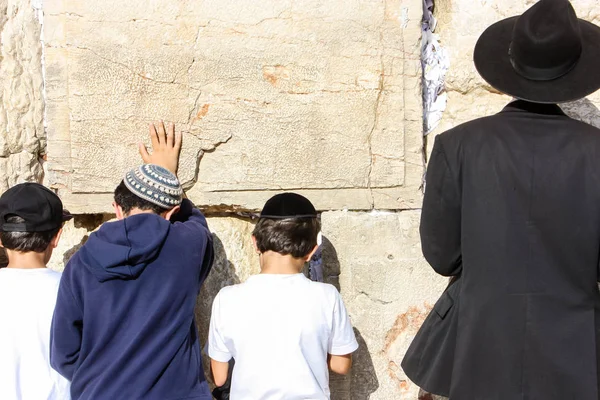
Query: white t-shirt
x=27 y=300
x=279 y=329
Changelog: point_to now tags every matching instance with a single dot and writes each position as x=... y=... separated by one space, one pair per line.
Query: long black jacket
x=512 y=204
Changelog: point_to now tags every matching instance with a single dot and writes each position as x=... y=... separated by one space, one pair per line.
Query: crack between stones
x=374 y=299
x=193 y=110
x=378 y=100
x=172 y=81
x=194 y=107
x=192 y=182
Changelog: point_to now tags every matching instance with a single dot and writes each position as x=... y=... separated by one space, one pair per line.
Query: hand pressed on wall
x=166 y=147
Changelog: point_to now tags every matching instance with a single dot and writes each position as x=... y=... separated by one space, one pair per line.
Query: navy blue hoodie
x=123 y=326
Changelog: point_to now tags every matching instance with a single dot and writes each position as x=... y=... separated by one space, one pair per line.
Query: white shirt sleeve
x=342 y=339
x=217 y=348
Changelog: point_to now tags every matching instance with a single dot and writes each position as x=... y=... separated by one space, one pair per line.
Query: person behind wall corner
x=283 y=330
x=124 y=326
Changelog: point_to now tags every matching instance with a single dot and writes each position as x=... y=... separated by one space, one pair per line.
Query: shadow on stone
x=89 y=222
x=69 y=253
x=222 y=274
x=362 y=380
x=331 y=264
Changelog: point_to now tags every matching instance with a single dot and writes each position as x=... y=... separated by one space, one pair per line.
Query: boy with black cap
x=283 y=330
x=31 y=219
x=124 y=322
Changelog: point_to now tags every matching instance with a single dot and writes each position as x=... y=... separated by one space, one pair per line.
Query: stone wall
x=22 y=137
x=317 y=97
x=322 y=98
x=312 y=96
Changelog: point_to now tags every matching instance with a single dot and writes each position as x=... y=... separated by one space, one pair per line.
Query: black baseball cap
x=40 y=207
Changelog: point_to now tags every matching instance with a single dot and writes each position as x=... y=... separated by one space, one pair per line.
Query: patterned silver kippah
x=154 y=184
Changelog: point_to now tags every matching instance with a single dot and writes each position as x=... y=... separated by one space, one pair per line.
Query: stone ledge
x=399 y=198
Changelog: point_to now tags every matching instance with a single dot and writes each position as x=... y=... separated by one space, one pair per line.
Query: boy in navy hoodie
x=124 y=326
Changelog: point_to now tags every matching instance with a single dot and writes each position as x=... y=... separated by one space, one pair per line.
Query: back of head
x=294 y=236
x=288 y=224
x=148 y=187
x=25 y=242
x=30 y=217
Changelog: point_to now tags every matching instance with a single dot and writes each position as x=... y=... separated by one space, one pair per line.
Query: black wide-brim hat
x=519 y=55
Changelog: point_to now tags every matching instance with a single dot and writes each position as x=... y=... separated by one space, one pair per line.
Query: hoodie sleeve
x=66 y=331
x=194 y=224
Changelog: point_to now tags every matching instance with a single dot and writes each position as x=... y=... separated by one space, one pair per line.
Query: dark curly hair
x=128 y=201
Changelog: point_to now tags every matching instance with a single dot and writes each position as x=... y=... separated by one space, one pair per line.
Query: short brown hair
x=295 y=236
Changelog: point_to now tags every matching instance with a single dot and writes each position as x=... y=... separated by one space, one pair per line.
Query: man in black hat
x=512 y=205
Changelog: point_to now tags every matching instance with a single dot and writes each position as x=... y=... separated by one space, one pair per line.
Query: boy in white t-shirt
x=31 y=219
x=284 y=331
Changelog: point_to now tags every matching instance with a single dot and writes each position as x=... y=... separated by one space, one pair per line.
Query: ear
x=311 y=254
x=255 y=244
x=118 y=211
x=56 y=239
x=168 y=214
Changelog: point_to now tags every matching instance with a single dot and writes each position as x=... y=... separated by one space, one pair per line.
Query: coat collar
x=535 y=108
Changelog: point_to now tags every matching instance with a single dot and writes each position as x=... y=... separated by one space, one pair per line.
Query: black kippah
x=288 y=205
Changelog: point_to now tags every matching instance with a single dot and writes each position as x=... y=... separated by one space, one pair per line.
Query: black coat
x=512 y=204
x=429 y=358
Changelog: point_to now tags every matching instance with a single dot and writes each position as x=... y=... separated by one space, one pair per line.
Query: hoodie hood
x=122 y=249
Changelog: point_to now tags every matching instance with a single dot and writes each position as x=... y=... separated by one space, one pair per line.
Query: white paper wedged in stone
x=436 y=63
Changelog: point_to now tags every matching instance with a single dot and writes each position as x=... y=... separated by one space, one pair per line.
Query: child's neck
x=275 y=263
x=28 y=260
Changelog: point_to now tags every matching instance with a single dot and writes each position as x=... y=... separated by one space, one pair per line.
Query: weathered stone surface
x=388 y=289
x=22 y=138
x=74 y=234
x=320 y=96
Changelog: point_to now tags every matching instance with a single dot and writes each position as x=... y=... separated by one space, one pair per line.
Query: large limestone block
x=388 y=289
x=22 y=138
x=461 y=22
x=318 y=97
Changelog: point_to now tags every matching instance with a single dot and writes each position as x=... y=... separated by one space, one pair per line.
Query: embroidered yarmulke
x=288 y=205
x=155 y=184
